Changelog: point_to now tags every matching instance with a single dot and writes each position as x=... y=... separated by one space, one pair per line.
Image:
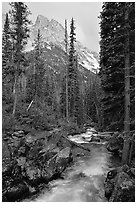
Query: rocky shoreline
x=120 y=181
x=120 y=184
x=35 y=159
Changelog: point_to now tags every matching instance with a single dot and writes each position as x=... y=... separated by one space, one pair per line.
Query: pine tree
x=73 y=85
x=78 y=114
x=127 y=120
x=66 y=37
x=71 y=69
x=7 y=66
x=38 y=65
x=36 y=81
x=66 y=49
x=112 y=62
x=6 y=48
x=20 y=33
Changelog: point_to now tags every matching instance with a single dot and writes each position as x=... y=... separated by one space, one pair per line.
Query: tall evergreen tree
x=38 y=65
x=112 y=61
x=66 y=37
x=6 y=47
x=66 y=49
x=36 y=80
x=20 y=33
x=127 y=120
x=7 y=65
x=73 y=86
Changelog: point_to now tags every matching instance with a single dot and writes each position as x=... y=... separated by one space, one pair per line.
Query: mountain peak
x=53 y=22
x=53 y=33
x=41 y=21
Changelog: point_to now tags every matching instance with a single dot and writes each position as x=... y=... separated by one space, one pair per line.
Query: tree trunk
x=67 y=107
x=15 y=96
x=97 y=105
x=127 y=91
x=66 y=49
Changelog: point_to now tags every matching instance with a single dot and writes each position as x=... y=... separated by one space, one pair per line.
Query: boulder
x=119 y=185
x=33 y=174
x=35 y=161
x=15 y=192
x=115 y=144
x=124 y=189
x=63 y=158
x=78 y=176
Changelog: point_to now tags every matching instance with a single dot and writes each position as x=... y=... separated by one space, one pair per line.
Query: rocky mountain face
x=52 y=32
x=53 y=35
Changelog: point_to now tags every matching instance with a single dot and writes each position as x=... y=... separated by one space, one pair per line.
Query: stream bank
x=83 y=180
x=34 y=160
x=51 y=166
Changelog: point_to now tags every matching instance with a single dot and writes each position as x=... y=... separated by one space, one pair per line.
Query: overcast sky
x=85 y=15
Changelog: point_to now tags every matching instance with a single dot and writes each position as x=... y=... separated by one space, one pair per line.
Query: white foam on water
x=83 y=181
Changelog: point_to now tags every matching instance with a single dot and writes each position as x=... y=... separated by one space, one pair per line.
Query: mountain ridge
x=53 y=33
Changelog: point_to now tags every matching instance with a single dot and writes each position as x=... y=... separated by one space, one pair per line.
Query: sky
x=85 y=15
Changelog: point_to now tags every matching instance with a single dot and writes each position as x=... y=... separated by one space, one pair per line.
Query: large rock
x=63 y=158
x=115 y=144
x=16 y=192
x=36 y=161
x=120 y=185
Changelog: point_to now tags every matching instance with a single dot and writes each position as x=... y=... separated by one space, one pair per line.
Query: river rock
x=119 y=185
x=115 y=144
x=78 y=176
x=33 y=174
x=34 y=161
x=16 y=192
x=63 y=158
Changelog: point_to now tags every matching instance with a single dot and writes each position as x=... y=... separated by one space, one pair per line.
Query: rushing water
x=84 y=180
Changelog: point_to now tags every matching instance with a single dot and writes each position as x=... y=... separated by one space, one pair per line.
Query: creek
x=84 y=179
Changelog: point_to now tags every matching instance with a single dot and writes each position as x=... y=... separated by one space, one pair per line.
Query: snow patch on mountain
x=53 y=34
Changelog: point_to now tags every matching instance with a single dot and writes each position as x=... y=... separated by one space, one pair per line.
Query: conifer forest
x=68 y=113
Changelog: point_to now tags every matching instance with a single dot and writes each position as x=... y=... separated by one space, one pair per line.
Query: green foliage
x=70 y=127
x=42 y=104
x=40 y=118
x=7 y=66
x=63 y=97
x=20 y=30
x=73 y=83
x=7 y=122
x=18 y=38
x=112 y=56
x=6 y=48
x=38 y=66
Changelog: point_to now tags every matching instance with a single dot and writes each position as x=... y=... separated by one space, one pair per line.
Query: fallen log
x=105 y=133
x=76 y=144
x=65 y=137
